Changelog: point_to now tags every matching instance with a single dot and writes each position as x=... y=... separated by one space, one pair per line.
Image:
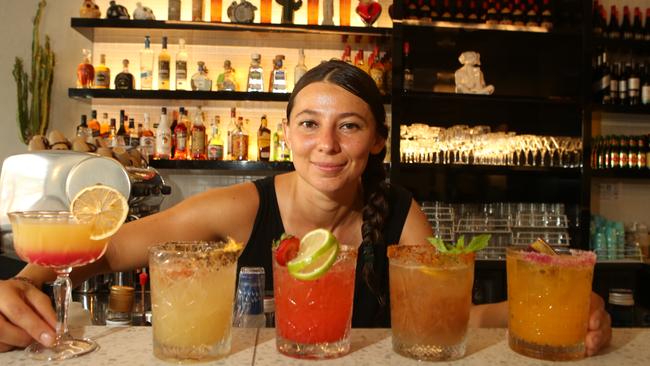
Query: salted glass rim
x=573 y=258
x=426 y=255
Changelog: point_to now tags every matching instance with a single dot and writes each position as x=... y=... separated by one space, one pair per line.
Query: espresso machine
x=49 y=180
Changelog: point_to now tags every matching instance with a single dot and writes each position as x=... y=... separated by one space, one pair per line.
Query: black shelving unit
x=266 y=168
x=176 y=95
x=622 y=109
x=628 y=174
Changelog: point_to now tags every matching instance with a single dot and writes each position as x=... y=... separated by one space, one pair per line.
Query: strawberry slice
x=287 y=249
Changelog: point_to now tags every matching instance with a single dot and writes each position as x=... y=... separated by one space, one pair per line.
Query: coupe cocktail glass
x=192 y=292
x=313 y=318
x=548 y=301
x=430 y=299
x=56 y=239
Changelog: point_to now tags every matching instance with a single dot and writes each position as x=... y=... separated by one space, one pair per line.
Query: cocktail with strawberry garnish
x=62 y=240
x=313 y=282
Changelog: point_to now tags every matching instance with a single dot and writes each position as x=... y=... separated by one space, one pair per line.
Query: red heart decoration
x=369 y=11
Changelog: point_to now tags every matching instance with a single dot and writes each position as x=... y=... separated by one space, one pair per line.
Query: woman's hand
x=26 y=314
x=599 y=333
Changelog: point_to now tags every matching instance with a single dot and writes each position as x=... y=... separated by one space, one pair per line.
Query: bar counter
x=133 y=346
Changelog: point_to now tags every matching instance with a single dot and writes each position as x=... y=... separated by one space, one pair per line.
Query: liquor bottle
x=146 y=65
x=518 y=13
x=147 y=139
x=84 y=131
x=201 y=81
x=85 y=71
x=215 y=10
x=408 y=70
x=646 y=32
x=603 y=157
x=377 y=70
x=446 y=13
x=249 y=304
x=492 y=15
x=605 y=81
x=278 y=77
x=198 y=137
x=615 y=76
x=239 y=141
x=613 y=28
x=642 y=145
x=614 y=157
x=93 y=124
x=623 y=152
x=623 y=85
x=104 y=126
x=597 y=21
x=645 y=86
x=412 y=9
x=473 y=14
x=460 y=13
x=532 y=13
x=347 y=54
x=255 y=74
x=637 y=27
x=112 y=134
x=264 y=140
x=359 y=61
x=424 y=10
x=300 y=68
x=280 y=147
x=164 y=60
x=633 y=152
x=232 y=125
x=197 y=10
x=125 y=80
x=121 y=137
x=134 y=135
x=163 y=138
x=506 y=13
x=227 y=79
x=181 y=66
x=546 y=20
x=626 y=26
x=102 y=74
x=180 y=137
x=633 y=86
x=215 y=146
x=174 y=10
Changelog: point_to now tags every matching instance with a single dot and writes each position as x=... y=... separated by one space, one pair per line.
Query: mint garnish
x=477 y=243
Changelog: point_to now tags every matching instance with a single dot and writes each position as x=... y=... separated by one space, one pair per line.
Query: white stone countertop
x=133 y=346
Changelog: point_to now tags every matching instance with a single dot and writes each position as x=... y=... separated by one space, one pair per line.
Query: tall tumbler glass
x=192 y=292
x=430 y=299
x=548 y=301
x=313 y=317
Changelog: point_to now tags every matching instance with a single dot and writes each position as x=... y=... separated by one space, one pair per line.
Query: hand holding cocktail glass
x=62 y=240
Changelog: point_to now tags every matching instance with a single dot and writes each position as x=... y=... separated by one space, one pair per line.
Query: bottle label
x=613 y=85
x=645 y=94
x=198 y=142
x=240 y=147
x=605 y=82
x=147 y=144
x=215 y=152
x=181 y=141
x=622 y=86
x=102 y=79
x=181 y=70
x=634 y=84
x=633 y=160
x=642 y=160
x=623 y=160
x=124 y=82
x=163 y=144
x=163 y=70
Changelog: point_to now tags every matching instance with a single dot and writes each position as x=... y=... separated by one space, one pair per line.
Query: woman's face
x=331 y=132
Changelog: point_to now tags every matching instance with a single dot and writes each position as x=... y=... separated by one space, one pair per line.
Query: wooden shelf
x=235 y=166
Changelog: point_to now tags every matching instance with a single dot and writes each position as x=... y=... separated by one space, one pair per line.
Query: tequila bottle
x=125 y=80
x=377 y=70
x=278 y=82
x=239 y=142
x=255 y=74
x=227 y=79
x=147 y=139
x=181 y=66
x=102 y=74
x=163 y=66
x=146 y=65
x=83 y=130
x=180 y=136
x=215 y=146
x=198 y=137
x=163 y=138
x=200 y=80
x=264 y=140
x=93 y=124
x=300 y=68
x=85 y=71
x=280 y=148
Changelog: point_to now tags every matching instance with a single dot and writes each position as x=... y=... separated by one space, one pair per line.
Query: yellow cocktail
x=548 y=300
x=192 y=292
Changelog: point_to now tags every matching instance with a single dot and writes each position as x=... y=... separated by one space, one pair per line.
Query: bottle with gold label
x=264 y=140
x=102 y=74
x=163 y=66
x=198 y=137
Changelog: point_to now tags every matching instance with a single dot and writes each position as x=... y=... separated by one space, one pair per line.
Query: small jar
x=621 y=307
x=269 y=311
x=120 y=306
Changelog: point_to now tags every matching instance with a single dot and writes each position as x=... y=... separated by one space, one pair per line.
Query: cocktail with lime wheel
x=313 y=281
x=62 y=240
x=430 y=298
x=548 y=301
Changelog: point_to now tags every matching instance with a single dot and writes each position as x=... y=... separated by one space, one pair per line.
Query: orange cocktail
x=313 y=317
x=548 y=301
x=430 y=299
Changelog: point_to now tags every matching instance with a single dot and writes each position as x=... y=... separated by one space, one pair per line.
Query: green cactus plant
x=34 y=114
x=288 y=7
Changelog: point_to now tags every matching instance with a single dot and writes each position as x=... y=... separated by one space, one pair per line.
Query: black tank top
x=367 y=311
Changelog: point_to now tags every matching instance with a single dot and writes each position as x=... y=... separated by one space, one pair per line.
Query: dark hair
x=375 y=187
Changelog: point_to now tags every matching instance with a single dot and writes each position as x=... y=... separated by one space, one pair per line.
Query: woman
x=337 y=134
